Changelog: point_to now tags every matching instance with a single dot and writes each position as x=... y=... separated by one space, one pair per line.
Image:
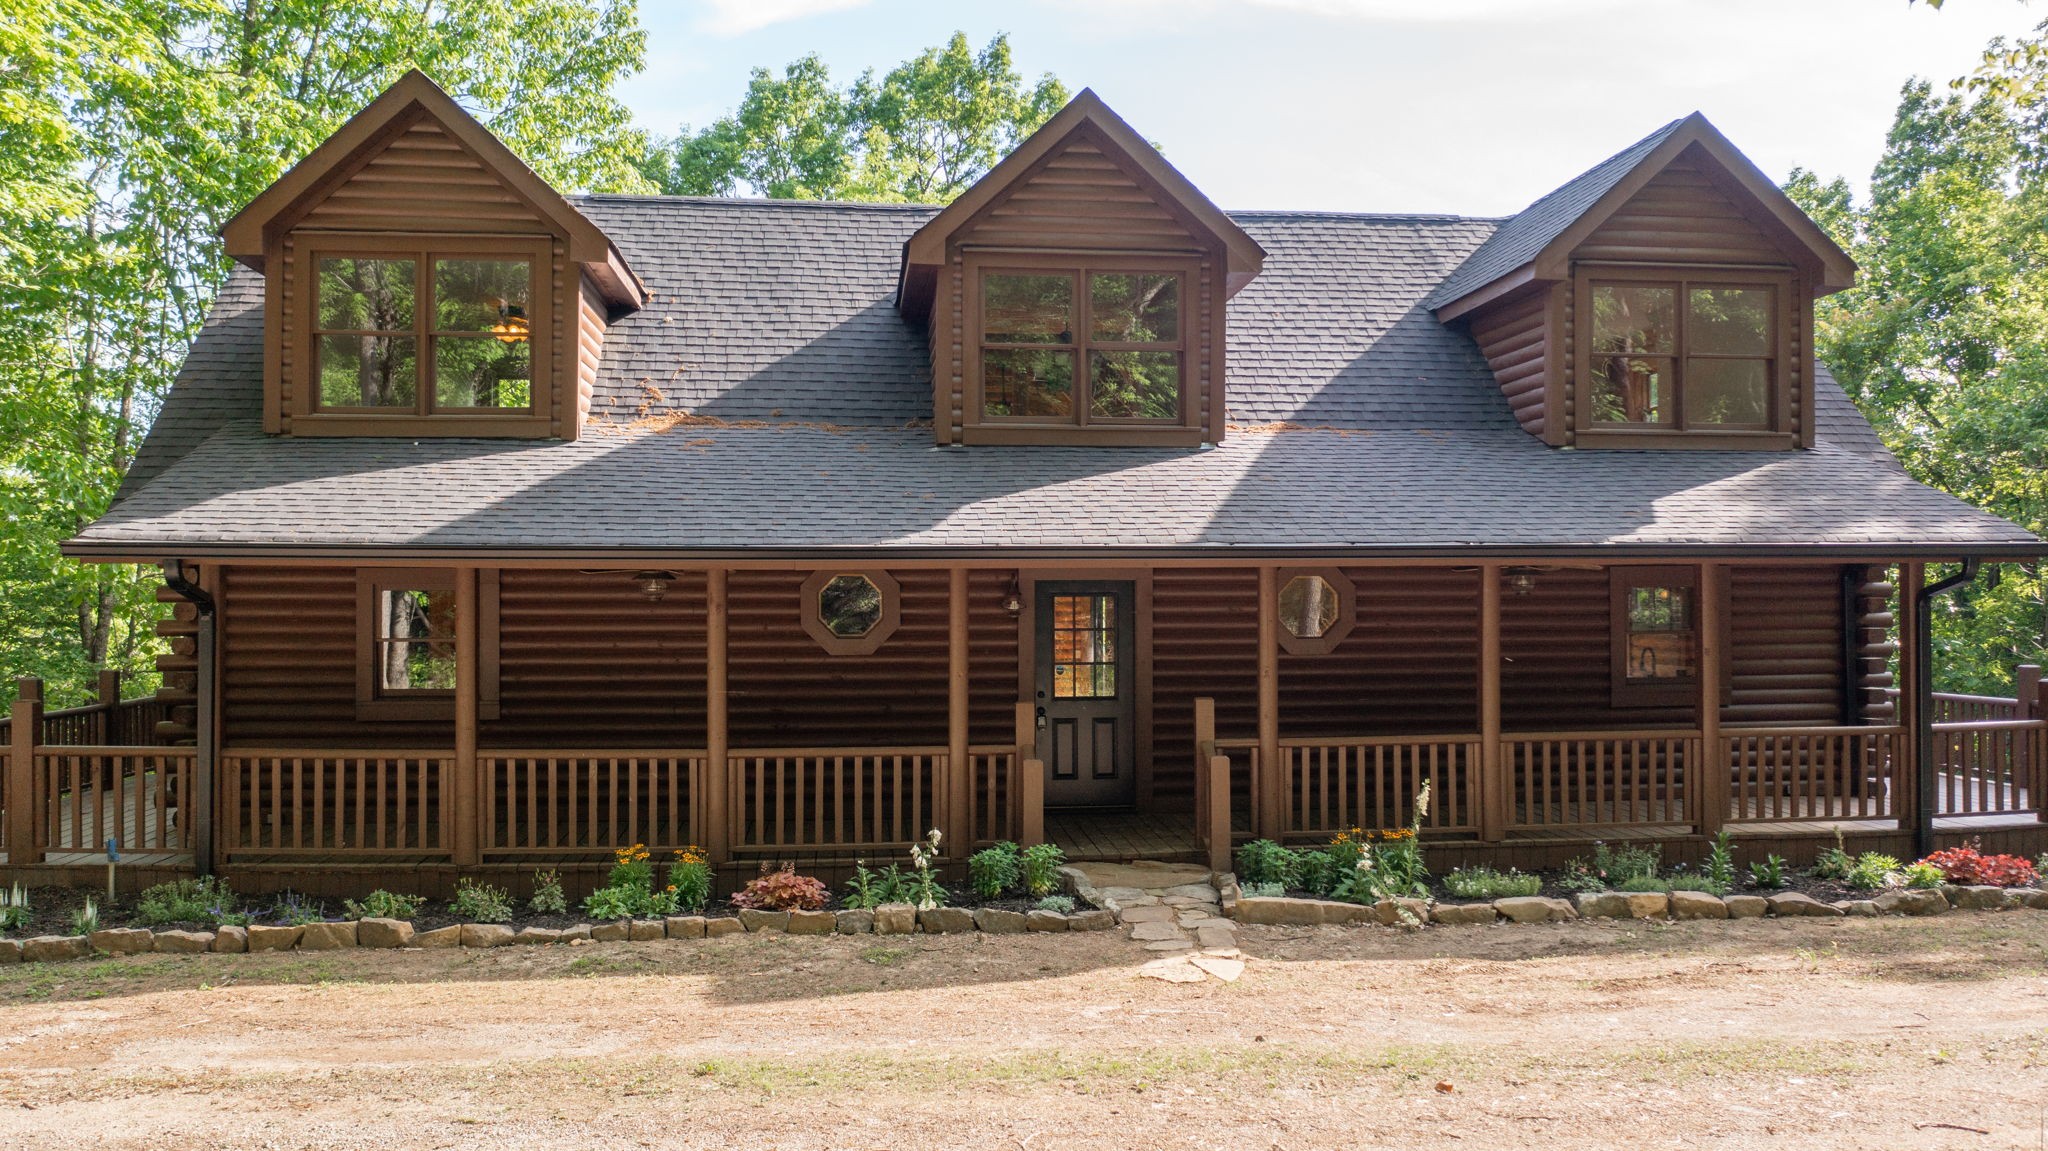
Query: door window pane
x=1027 y=309
x=415 y=640
x=1631 y=390
x=1727 y=392
x=1027 y=382
x=367 y=372
x=1134 y=385
x=1660 y=633
x=1633 y=318
x=1135 y=308
x=1728 y=321
x=1084 y=647
x=366 y=295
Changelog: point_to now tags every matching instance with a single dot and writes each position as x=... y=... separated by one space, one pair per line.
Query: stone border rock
x=389 y=934
x=1294 y=912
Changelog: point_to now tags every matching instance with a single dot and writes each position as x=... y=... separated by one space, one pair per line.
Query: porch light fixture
x=1013 y=600
x=654 y=585
x=1521 y=581
x=511 y=328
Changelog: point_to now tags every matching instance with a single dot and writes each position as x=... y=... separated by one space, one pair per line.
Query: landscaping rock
x=1201 y=891
x=1647 y=904
x=1861 y=908
x=722 y=925
x=895 y=919
x=1602 y=904
x=945 y=920
x=996 y=921
x=1156 y=913
x=1792 y=904
x=10 y=951
x=854 y=921
x=121 y=940
x=487 y=935
x=1462 y=913
x=1287 y=912
x=1534 y=909
x=1697 y=905
x=177 y=942
x=230 y=940
x=1216 y=938
x=437 y=938
x=2038 y=900
x=756 y=920
x=580 y=933
x=328 y=936
x=1401 y=912
x=1096 y=920
x=1912 y=901
x=50 y=948
x=1039 y=919
x=383 y=933
x=1972 y=898
x=273 y=938
x=685 y=927
x=1156 y=932
x=812 y=923
x=618 y=932
x=647 y=930
x=1225 y=969
x=537 y=936
x=1746 y=906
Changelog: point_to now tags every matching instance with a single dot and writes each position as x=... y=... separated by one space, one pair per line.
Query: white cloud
x=736 y=17
x=1439 y=11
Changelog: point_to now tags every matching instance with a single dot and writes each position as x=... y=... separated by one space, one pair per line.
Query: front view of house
x=506 y=527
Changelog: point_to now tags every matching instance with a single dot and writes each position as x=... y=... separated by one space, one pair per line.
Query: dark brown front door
x=1086 y=693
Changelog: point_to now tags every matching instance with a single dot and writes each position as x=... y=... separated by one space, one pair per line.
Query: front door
x=1086 y=693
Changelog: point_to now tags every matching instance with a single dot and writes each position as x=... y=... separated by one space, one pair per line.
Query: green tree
x=129 y=131
x=920 y=133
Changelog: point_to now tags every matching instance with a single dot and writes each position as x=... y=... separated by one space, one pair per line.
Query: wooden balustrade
x=335 y=804
x=1957 y=707
x=1336 y=784
x=871 y=799
x=1599 y=778
x=995 y=794
x=1991 y=767
x=589 y=802
x=1795 y=774
x=138 y=797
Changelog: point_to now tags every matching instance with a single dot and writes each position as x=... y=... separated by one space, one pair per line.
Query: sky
x=1473 y=107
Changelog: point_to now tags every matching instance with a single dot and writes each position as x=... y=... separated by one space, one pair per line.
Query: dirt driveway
x=1802 y=1034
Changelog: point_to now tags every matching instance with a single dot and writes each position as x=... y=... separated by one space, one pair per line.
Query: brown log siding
x=1680 y=216
x=1515 y=338
x=424 y=181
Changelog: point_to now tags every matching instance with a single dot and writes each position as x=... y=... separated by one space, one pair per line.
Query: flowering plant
x=1968 y=864
x=922 y=884
x=1370 y=866
x=782 y=890
x=689 y=877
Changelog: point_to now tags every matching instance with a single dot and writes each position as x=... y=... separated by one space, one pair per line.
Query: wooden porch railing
x=1336 y=784
x=847 y=800
x=997 y=792
x=137 y=796
x=108 y=721
x=589 y=802
x=1793 y=774
x=1956 y=707
x=334 y=804
x=1991 y=767
x=1599 y=778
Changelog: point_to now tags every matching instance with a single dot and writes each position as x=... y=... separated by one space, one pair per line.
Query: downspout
x=178 y=578
x=1923 y=719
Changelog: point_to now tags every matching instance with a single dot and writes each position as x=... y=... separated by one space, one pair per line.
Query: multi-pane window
x=1656 y=635
x=423 y=333
x=413 y=641
x=1084 y=647
x=1682 y=355
x=1082 y=346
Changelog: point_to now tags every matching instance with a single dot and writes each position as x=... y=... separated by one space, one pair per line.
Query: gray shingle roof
x=1523 y=235
x=1361 y=423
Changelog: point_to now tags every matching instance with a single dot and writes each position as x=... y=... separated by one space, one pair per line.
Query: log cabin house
x=505 y=527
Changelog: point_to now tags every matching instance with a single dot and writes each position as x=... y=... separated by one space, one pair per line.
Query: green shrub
x=1486 y=883
x=547 y=894
x=870 y=889
x=1315 y=870
x=1643 y=883
x=689 y=879
x=14 y=909
x=1263 y=861
x=994 y=870
x=1720 y=868
x=1769 y=874
x=782 y=890
x=1833 y=862
x=1706 y=883
x=381 y=904
x=631 y=867
x=86 y=920
x=1041 y=863
x=1371 y=866
x=295 y=910
x=1872 y=870
x=1262 y=890
x=480 y=902
x=207 y=900
x=1064 y=904
x=1922 y=874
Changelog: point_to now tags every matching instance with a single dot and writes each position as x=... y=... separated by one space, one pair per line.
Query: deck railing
x=589 y=802
x=1337 y=784
x=138 y=797
x=1599 y=778
x=1957 y=707
x=1991 y=767
x=846 y=800
x=996 y=792
x=335 y=804
x=1792 y=774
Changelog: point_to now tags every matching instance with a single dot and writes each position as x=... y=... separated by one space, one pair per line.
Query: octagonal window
x=850 y=606
x=1308 y=607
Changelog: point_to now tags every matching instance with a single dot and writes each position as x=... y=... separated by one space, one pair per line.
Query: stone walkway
x=1172 y=909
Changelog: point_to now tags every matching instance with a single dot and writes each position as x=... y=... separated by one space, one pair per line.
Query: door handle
x=1041 y=717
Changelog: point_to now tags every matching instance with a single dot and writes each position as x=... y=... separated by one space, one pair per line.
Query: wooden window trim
x=834 y=644
x=979 y=427
x=1712 y=437
x=1347 y=612
x=438 y=705
x=1672 y=693
x=309 y=417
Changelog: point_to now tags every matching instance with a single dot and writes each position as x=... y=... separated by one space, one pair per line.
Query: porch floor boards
x=1097 y=836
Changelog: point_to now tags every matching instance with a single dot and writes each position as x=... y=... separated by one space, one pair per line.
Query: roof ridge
x=750 y=201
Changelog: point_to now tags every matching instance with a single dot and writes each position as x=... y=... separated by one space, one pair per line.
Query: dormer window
x=1683 y=354
x=423 y=332
x=1082 y=344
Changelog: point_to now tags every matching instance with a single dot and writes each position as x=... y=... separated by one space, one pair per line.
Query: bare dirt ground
x=1892 y=1034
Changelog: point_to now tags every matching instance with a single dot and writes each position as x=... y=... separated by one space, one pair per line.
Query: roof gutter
x=1927 y=793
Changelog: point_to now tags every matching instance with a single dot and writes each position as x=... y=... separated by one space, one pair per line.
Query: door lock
x=1041 y=717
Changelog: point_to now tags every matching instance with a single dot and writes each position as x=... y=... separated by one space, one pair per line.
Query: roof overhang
x=925 y=252
x=249 y=233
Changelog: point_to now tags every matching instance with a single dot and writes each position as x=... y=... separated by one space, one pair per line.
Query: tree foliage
x=920 y=133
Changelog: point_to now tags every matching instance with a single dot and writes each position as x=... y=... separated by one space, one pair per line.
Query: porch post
x=1495 y=792
x=2028 y=746
x=715 y=818
x=1712 y=792
x=21 y=775
x=1906 y=778
x=958 y=818
x=464 y=834
x=108 y=692
x=1271 y=778
x=1030 y=778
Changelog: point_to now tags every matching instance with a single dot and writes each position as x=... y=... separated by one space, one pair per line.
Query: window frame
x=309 y=248
x=1083 y=425
x=1347 y=611
x=834 y=643
x=1662 y=693
x=1780 y=380
x=423 y=704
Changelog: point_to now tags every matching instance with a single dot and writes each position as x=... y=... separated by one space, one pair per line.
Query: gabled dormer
x=422 y=280
x=1663 y=299
x=1076 y=293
